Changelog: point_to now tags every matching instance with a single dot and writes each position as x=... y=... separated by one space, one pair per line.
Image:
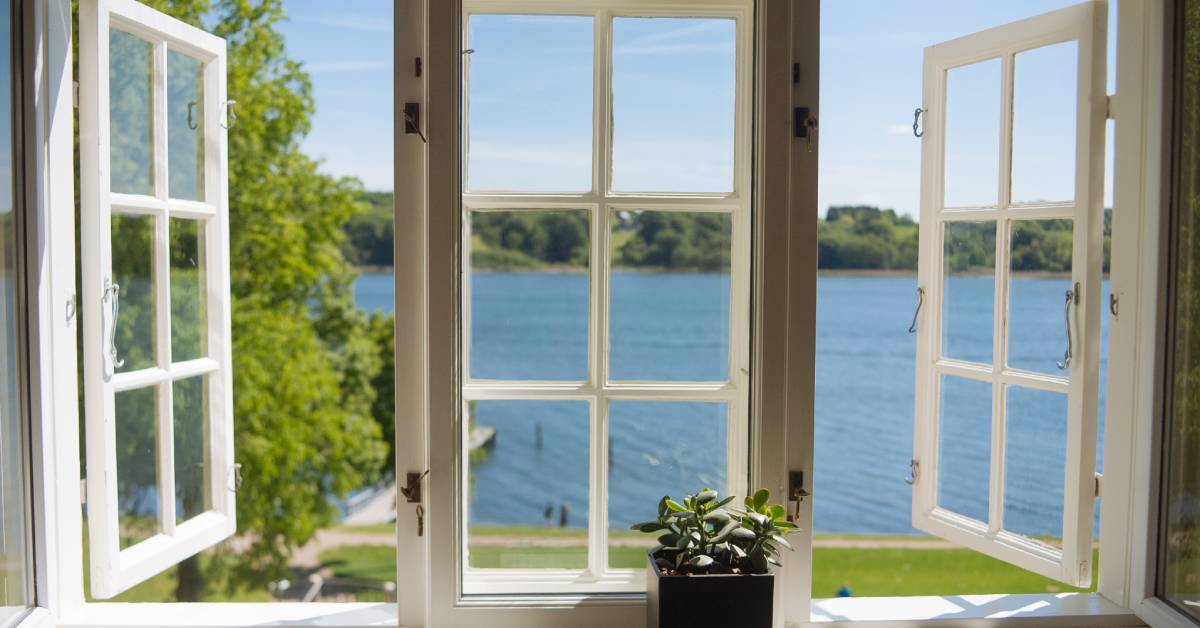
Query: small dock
x=481 y=436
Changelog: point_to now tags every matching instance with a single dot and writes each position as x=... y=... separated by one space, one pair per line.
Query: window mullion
x=599 y=310
x=162 y=298
x=1000 y=302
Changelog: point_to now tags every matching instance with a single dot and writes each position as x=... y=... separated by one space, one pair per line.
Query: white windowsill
x=1063 y=609
x=228 y=615
x=1066 y=609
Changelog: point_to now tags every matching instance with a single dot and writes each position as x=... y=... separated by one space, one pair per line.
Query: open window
x=1014 y=150
x=155 y=291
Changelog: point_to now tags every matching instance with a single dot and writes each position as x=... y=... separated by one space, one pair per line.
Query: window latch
x=914 y=472
x=796 y=494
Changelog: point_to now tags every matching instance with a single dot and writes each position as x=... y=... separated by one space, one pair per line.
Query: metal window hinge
x=1110 y=107
x=1098 y=478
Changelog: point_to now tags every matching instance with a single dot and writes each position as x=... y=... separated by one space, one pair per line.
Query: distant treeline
x=848 y=238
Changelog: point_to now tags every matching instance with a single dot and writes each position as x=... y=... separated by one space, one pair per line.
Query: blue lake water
x=672 y=326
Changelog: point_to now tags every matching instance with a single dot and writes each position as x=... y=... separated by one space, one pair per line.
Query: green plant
x=702 y=536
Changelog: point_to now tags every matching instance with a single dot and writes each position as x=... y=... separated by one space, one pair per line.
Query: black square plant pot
x=723 y=600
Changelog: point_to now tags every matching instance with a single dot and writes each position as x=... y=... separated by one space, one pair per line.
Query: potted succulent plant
x=712 y=564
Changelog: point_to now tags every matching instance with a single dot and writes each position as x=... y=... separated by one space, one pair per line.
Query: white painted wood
x=599 y=389
x=1064 y=609
x=1086 y=24
x=113 y=569
x=1128 y=561
x=57 y=523
x=412 y=551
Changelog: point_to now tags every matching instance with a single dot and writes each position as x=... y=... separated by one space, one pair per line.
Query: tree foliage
x=850 y=237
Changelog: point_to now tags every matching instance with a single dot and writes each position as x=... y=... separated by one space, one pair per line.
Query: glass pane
x=1035 y=461
x=1041 y=277
x=529 y=88
x=1178 y=578
x=192 y=455
x=185 y=126
x=133 y=271
x=973 y=135
x=658 y=448
x=1044 y=103
x=528 y=484
x=673 y=84
x=137 y=475
x=964 y=446
x=130 y=94
x=15 y=559
x=670 y=296
x=529 y=295
x=189 y=307
x=969 y=290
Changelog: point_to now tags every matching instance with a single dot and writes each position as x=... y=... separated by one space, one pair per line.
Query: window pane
x=973 y=135
x=133 y=271
x=130 y=102
x=1043 y=151
x=529 y=88
x=185 y=121
x=15 y=560
x=192 y=456
x=189 y=306
x=673 y=104
x=964 y=446
x=529 y=295
x=969 y=290
x=1035 y=461
x=1178 y=578
x=137 y=475
x=658 y=448
x=670 y=296
x=1041 y=277
x=528 y=484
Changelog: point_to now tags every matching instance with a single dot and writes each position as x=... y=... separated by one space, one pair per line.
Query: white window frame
x=601 y=203
x=1085 y=24
x=113 y=569
x=422 y=31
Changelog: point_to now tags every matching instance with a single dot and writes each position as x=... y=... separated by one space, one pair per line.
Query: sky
x=530 y=100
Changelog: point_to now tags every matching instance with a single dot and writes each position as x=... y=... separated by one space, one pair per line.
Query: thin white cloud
x=899 y=129
x=337 y=67
x=690 y=38
x=348 y=21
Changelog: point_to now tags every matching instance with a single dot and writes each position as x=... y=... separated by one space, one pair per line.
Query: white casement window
x=618 y=359
x=1013 y=150
x=155 y=300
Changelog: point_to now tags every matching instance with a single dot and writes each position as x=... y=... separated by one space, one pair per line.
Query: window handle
x=112 y=298
x=1072 y=297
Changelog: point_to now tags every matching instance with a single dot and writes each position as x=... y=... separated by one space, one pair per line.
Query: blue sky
x=531 y=109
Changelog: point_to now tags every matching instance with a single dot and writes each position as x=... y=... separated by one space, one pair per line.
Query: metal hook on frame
x=917 y=122
x=190 y=121
x=914 y=472
x=237 y=477
x=912 y=328
x=230 y=115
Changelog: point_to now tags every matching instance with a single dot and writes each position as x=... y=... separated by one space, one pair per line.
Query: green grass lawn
x=867 y=571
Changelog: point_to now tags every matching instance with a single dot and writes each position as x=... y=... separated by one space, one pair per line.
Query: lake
x=671 y=326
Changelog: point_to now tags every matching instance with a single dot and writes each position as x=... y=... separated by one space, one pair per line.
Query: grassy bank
x=868 y=565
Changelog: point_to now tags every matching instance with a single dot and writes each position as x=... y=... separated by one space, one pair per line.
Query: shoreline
x=823 y=272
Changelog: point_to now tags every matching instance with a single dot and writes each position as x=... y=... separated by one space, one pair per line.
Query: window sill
x=1063 y=609
x=228 y=615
